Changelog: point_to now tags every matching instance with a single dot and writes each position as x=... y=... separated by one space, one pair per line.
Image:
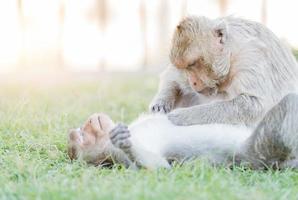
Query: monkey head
x=199 y=46
x=91 y=142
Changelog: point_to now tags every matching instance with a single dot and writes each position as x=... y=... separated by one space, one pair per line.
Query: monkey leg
x=242 y=109
x=174 y=91
x=275 y=140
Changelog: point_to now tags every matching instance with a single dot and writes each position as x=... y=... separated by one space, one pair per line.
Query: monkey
x=234 y=70
x=153 y=142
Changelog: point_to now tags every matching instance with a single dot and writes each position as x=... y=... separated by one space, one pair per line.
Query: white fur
x=155 y=140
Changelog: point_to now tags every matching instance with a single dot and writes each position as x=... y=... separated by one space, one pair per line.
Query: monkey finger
x=167 y=108
x=119 y=127
x=114 y=133
x=161 y=109
x=155 y=108
x=122 y=125
x=125 y=144
x=120 y=137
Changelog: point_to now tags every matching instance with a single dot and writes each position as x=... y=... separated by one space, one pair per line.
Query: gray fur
x=265 y=71
x=274 y=142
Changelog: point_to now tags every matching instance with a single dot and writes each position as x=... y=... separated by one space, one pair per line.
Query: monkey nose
x=179 y=63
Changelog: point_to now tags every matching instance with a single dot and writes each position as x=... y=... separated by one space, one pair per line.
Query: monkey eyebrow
x=99 y=122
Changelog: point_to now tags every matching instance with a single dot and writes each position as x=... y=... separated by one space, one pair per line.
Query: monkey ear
x=179 y=28
x=221 y=31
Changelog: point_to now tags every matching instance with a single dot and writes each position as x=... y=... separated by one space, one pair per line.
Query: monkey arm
x=165 y=98
x=138 y=156
x=252 y=97
x=173 y=82
x=242 y=109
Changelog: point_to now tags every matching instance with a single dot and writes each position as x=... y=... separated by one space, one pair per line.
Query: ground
x=35 y=118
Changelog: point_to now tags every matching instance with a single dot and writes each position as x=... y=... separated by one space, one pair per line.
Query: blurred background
x=115 y=35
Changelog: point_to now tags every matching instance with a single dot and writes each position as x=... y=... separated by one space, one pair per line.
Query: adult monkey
x=240 y=62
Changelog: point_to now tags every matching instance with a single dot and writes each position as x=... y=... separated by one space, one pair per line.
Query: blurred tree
x=102 y=19
x=61 y=34
x=184 y=8
x=99 y=14
x=21 y=17
x=143 y=25
x=223 y=5
x=163 y=29
x=264 y=12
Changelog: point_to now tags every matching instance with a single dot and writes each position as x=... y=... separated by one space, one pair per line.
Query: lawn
x=34 y=122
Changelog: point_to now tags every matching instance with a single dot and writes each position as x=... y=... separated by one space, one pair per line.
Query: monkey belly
x=215 y=142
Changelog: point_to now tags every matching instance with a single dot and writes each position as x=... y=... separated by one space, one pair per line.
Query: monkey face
x=198 y=46
x=201 y=77
x=91 y=141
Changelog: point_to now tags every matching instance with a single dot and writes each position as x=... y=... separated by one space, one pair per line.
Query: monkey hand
x=161 y=106
x=182 y=117
x=120 y=137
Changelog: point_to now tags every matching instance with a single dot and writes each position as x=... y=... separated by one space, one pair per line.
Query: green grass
x=34 y=120
x=295 y=52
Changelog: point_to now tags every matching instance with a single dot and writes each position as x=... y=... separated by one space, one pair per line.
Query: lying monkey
x=153 y=141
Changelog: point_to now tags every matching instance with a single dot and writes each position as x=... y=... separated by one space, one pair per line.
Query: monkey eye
x=191 y=64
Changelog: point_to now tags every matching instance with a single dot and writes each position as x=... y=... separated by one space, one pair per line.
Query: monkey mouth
x=208 y=91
